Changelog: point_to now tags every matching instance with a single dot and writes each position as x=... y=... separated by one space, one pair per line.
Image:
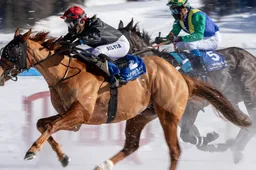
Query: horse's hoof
x=212 y=136
x=65 y=161
x=29 y=156
x=237 y=156
x=98 y=168
x=107 y=165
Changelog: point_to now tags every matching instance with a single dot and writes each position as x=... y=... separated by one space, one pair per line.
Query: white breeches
x=210 y=43
x=114 y=50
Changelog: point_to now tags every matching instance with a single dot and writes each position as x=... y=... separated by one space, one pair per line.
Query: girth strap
x=112 y=104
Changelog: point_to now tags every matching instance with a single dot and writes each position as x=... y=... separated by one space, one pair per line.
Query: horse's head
x=14 y=57
x=138 y=40
x=24 y=52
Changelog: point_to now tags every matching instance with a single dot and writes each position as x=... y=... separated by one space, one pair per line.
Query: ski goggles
x=71 y=23
x=174 y=10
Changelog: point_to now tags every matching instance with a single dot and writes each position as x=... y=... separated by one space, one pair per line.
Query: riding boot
x=116 y=80
x=197 y=62
x=184 y=63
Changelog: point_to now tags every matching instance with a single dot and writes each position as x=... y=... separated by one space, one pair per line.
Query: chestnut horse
x=83 y=98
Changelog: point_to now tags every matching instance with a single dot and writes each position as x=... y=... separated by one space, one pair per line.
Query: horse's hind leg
x=169 y=122
x=133 y=131
x=189 y=132
x=245 y=135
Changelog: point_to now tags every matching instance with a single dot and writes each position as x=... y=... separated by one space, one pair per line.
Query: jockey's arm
x=100 y=35
x=199 y=21
x=91 y=39
x=176 y=28
x=69 y=37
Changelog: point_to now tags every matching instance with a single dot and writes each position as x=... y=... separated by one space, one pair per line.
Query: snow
x=17 y=134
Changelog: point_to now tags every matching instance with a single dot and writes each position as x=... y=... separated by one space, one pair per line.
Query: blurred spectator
x=225 y=7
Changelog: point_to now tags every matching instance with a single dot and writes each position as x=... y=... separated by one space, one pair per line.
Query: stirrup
x=103 y=66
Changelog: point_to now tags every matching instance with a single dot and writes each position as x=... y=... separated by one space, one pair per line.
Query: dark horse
x=237 y=82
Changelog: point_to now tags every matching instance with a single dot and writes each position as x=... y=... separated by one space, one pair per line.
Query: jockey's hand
x=65 y=43
x=159 y=40
x=176 y=39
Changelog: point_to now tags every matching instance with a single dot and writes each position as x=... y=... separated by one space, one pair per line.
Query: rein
x=67 y=66
x=149 y=48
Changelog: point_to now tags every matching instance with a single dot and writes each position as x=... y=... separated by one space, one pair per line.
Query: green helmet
x=178 y=3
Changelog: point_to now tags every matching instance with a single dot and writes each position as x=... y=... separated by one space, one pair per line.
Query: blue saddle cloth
x=213 y=61
x=135 y=67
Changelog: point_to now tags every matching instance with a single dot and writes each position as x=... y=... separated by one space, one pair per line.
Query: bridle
x=19 y=63
x=19 y=60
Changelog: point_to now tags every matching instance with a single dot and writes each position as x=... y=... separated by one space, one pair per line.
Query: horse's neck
x=52 y=69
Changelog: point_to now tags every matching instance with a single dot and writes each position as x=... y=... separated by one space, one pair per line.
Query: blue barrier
x=30 y=72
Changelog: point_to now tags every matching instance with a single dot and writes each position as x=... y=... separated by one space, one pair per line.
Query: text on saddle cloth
x=213 y=61
x=132 y=67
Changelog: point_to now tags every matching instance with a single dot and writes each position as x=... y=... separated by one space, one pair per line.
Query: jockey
x=107 y=42
x=203 y=33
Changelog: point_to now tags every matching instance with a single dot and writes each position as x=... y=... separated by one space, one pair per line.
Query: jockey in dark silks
x=203 y=33
x=107 y=42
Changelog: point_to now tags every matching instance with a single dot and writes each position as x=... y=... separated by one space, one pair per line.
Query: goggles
x=175 y=10
x=71 y=23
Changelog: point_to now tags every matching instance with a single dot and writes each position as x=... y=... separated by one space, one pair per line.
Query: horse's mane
x=45 y=40
x=142 y=34
x=145 y=37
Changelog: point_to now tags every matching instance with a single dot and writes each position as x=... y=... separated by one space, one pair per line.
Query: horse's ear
x=121 y=24
x=26 y=35
x=129 y=26
x=134 y=29
x=17 y=32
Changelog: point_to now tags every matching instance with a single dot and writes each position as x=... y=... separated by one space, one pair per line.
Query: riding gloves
x=159 y=40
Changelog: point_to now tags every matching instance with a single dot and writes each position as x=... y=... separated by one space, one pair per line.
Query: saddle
x=118 y=72
x=209 y=61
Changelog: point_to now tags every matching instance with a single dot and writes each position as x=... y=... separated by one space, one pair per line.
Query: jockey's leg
x=210 y=43
x=197 y=60
x=111 y=52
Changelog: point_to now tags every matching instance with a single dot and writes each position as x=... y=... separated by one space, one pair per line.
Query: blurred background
x=24 y=13
x=23 y=102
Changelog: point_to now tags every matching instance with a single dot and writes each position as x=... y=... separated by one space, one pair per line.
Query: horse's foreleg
x=189 y=132
x=68 y=121
x=42 y=127
x=133 y=130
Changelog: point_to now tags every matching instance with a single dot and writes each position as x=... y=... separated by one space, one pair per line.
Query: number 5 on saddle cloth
x=210 y=61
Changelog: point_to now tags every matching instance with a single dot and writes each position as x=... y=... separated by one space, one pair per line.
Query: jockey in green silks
x=203 y=33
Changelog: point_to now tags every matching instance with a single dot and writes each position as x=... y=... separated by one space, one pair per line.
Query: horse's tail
x=218 y=100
